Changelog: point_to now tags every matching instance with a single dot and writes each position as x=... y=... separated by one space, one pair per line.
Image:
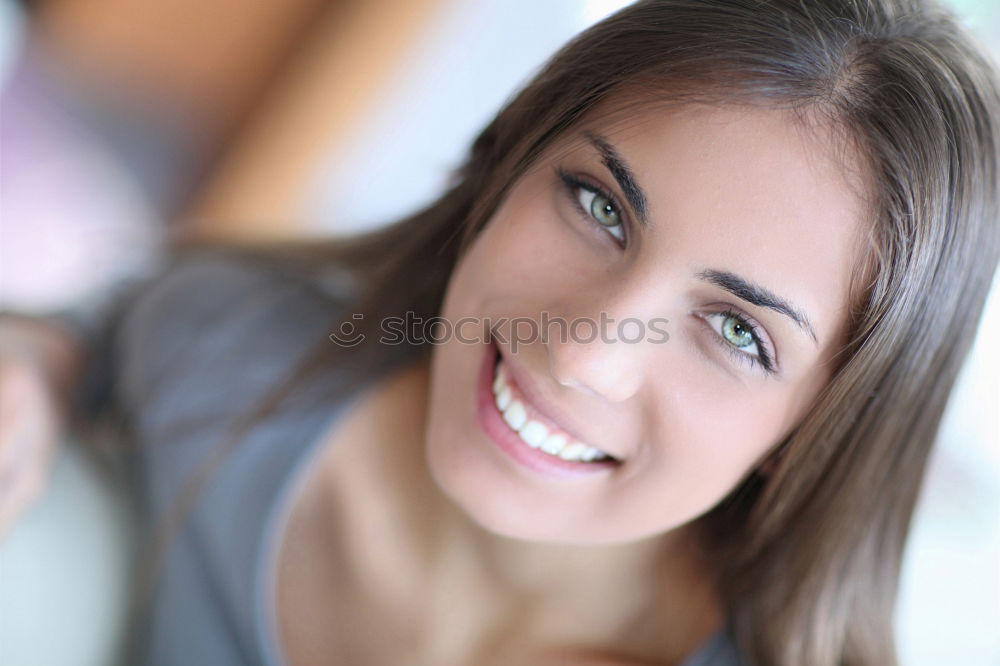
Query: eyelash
x=765 y=361
x=573 y=184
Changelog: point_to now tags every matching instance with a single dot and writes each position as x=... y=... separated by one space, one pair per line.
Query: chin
x=490 y=500
x=505 y=506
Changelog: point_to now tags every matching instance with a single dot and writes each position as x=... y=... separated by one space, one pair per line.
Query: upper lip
x=546 y=408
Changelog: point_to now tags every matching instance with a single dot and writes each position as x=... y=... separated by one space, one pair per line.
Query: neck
x=430 y=550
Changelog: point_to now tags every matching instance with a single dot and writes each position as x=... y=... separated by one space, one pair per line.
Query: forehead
x=732 y=137
x=758 y=191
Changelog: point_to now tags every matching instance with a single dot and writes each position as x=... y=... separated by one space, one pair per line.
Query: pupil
x=741 y=337
x=604 y=210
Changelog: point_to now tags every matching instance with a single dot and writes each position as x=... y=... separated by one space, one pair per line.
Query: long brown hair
x=808 y=556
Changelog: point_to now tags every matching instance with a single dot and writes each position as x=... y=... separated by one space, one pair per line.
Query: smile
x=525 y=434
x=533 y=428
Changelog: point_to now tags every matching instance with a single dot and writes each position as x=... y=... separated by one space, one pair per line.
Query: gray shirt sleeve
x=185 y=356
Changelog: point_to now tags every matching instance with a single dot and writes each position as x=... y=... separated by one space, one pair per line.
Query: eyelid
x=768 y=357
x=572 y=181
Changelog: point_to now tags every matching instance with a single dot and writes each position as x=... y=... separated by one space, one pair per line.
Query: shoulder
x=209 y=332
x=198 y=347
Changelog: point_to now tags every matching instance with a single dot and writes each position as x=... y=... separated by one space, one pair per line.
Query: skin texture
x=417 y=540
x=747 y=191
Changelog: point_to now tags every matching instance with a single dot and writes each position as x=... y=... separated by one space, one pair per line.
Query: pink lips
x=509 y=442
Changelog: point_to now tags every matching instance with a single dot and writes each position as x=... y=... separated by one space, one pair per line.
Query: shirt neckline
x=266 y=627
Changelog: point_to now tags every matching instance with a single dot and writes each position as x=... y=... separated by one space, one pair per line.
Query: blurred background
x=125 y=122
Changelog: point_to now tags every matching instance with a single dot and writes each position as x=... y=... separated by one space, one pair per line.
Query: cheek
x=704 y=444
x=521 y=263
x=727 y=438
x=534 y=243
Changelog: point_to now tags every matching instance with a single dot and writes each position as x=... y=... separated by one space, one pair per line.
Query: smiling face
x=738 y=228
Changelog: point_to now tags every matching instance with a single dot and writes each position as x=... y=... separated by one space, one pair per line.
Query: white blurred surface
x=949 y=606
x=63 y=572
x=464 y=69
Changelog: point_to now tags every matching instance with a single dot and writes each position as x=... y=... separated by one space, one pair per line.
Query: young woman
x=777 y=223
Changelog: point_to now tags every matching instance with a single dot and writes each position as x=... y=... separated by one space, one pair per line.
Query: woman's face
x=727 y=238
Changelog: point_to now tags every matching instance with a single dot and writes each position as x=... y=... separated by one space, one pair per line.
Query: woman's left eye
x=598 y=205
x=741 y=337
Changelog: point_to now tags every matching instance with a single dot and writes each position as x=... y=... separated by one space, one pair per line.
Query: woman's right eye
x=603 y=210
x=597 y=205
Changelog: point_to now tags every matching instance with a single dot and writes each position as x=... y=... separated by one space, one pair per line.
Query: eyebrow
x=757 y=295
x=737 y=286
x=622 y=173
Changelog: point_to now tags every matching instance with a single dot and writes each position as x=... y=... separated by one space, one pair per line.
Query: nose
x=605 y=352
x=597 y=368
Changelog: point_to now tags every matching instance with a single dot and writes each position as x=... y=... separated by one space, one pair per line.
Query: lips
x=511 y=443
x=547 y=411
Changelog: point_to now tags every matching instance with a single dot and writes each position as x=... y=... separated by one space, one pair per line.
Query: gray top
x=192 y=351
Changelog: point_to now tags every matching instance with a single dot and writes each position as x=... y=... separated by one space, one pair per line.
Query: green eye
x=737 y=332
x=741 y=337
x=603 y=210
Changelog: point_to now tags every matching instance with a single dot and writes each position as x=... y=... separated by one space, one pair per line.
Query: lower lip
x=509 y=442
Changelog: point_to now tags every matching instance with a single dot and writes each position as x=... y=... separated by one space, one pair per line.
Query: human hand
x=38 y=363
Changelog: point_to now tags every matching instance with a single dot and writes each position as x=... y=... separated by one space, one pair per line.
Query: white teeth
x=573 y=452
x=503 y=398
x=534 y=433
x=554 y=444
x=515 y=415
